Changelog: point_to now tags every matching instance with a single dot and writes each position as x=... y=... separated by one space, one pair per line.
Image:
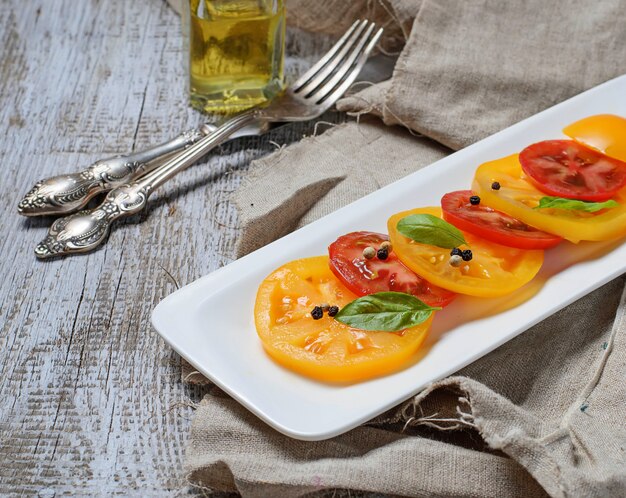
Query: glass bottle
x=234 y=51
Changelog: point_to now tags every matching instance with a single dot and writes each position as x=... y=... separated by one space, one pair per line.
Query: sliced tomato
x=367 y=276
x=494 y=270
x=324 y=349
x=565 y=168
x=519 y=198
x=605 y=133
x=493 y=225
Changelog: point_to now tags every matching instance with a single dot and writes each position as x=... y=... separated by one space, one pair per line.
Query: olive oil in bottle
x=235 y=52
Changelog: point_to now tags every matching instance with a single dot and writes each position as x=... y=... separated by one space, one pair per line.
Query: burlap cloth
x=545 y=413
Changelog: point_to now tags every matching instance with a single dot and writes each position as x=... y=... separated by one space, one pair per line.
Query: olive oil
x=236 y=53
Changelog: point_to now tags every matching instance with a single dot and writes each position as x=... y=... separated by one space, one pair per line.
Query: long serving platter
x=210 y=321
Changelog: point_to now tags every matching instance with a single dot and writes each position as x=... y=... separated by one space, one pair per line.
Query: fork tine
x=325 y=85
x=328 y=95
x=327 y=63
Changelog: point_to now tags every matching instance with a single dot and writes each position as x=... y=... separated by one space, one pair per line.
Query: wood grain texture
x=91 y=401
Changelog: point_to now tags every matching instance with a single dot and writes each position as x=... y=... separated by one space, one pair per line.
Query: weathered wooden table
x=91 y=400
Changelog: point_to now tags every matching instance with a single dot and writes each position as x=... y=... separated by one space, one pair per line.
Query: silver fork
x=310 y=96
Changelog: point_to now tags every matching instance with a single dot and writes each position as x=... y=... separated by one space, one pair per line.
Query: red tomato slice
x=493 y=225
x=565 y=168
x=367 y=276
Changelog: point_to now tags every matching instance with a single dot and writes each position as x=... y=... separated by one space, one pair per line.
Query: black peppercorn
x=333 y=310
x=474 y=200
x=495 y=186
x=456 y=252
x=382 y=253
x=317 y=313
x=467 y=255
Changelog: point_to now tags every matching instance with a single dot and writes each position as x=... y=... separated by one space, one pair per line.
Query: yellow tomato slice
x=494 y=270
x=605 y=133
x=324 y=349
x=517 y=197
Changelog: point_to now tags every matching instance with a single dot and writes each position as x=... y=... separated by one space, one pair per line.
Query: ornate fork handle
x=85 y=230
x=67 y=193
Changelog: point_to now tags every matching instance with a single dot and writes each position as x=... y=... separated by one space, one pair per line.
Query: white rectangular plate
x=210 y=322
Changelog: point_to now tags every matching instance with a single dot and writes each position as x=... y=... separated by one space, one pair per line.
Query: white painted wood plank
x=90 y=398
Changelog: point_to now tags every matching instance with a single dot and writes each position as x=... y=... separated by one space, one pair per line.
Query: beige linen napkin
x=544 y=413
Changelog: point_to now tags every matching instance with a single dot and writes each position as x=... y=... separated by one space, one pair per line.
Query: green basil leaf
x=387 y=311
x=429 y=229
x=574 y=204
